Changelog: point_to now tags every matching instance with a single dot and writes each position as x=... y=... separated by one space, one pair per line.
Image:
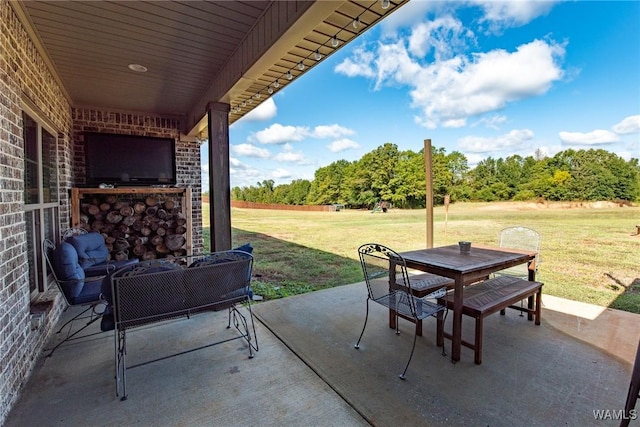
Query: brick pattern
x=23 y=76
x=26 y=326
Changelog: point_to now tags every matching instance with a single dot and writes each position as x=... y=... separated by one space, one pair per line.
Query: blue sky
x=484 y=78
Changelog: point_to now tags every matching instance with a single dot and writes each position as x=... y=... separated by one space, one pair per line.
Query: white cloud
x=454 y=86
x=595 y=137
x=243 y=175
x=630 y=124
x=290 y=157
x=279 y=134
x=512 y=140
x=281 y=174
x=204 y=176
x=250 y=150
x=360 y=65
x=492 y=122
x=512 y=13
x=444 y=36
x=331 y=131
x=267 y=110
x=342 y=145
x=453 y=90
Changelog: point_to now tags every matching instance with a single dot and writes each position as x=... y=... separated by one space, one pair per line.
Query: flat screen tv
x=129 y=160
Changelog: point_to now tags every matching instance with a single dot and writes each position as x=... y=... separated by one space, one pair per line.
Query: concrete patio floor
x=221 y=386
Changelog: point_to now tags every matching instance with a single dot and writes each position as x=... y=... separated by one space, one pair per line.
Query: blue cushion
x=245 y=248
x=67 y=268
x=91 y=249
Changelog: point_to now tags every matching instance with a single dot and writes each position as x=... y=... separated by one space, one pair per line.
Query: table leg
x=532 y=277
x=456 y=340
x=392 y=319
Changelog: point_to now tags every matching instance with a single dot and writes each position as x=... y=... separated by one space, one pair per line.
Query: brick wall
x=25 y=326
x=23 y=78
x=188 y=163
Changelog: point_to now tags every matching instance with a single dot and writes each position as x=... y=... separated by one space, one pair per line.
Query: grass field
x=589 y=254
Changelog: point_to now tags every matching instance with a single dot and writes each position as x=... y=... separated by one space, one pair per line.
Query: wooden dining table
x=465 y=268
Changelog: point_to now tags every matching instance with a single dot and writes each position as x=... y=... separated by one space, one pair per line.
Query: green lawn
x=588 y=254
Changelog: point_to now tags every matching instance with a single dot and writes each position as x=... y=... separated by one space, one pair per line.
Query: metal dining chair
x=519 y=237
x=389 y=284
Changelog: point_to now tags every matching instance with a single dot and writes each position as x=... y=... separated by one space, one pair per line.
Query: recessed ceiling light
x=138 y=68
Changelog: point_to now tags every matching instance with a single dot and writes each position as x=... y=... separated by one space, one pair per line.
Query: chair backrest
x=63 y=264
x=379 y=265
x=91 y=248
x=519 y=237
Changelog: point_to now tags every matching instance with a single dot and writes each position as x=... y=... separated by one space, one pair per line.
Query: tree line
x=387 y=174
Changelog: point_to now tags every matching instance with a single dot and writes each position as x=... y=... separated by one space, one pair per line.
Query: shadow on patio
x=308 y=373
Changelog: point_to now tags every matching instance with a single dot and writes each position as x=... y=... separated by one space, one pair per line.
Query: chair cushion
x=90 y=291
x=245 y=248
x=67 y=268
x=90 y=247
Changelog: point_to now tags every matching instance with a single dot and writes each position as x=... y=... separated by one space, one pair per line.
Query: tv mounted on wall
x=125 y=160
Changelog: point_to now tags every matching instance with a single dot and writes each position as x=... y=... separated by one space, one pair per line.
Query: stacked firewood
x=144 y=229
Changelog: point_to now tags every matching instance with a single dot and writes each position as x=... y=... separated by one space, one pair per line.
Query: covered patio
x=578 y=362
x=186 y=71
x=181 y=71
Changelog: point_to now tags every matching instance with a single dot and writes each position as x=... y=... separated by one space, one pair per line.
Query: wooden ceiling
x=195 y=52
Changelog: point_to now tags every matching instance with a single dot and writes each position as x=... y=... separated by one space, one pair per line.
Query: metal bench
x=490 y=296
x=157 y=290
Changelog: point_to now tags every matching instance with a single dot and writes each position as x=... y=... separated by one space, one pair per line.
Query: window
x=40 y=196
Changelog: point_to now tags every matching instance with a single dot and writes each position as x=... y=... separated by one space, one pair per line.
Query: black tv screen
x=129 y=160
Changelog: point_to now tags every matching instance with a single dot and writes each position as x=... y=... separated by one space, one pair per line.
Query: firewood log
x=174 y=241
x=126 y=210
x=114 y=217
x=162 y=249
x=92 y=210
x=139 y=250
x=129 y=220
x=139 y=208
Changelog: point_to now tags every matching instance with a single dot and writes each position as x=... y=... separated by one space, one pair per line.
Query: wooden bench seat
x=421 y=285
x=490 y=296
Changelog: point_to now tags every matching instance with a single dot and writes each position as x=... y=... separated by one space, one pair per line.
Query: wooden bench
x=421 y=285
x=490 y=296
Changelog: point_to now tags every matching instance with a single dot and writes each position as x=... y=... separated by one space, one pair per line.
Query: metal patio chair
x=519 y=237
x=389 y=284
x=76 y=287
